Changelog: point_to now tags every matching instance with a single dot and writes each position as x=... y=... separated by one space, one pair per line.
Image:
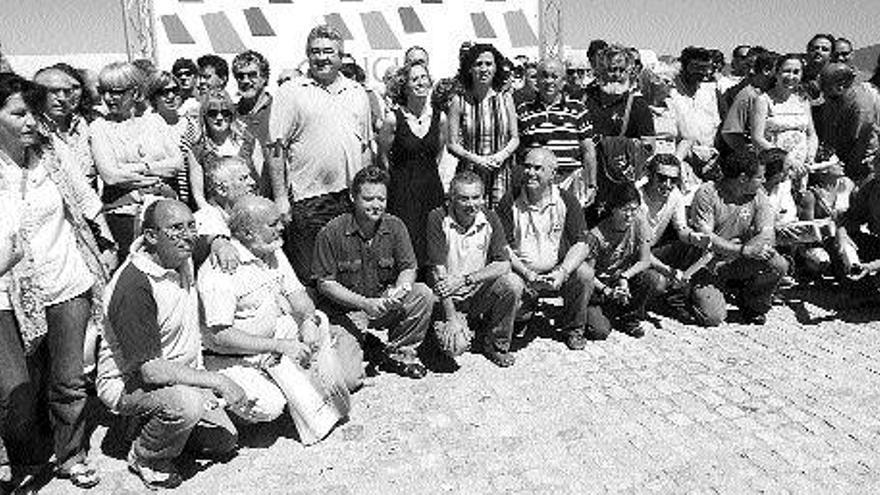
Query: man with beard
x=468 y=252
x=694 y=101
x=150 y=363
x=320 y=130
x=561 y=124
x=849 y=121
x=606 y=101
x=365 y=270
x=547 y=236
x=736 y=216
x=819 y=51
x=736 y=129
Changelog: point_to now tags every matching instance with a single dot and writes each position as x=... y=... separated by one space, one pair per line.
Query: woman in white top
x=47 y=296
x=136 y=156
x=781 y=118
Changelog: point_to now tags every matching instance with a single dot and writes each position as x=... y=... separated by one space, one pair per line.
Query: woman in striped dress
x=483 y=132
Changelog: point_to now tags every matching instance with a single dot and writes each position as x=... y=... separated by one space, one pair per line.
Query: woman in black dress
x=410 y=146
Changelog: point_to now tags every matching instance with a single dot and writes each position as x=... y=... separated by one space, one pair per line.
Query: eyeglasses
x=183 y=73
x=665 y=179
x=213 y=114
x=246 y=75
x=169 y=92
x=179 y=231
x=108 y=91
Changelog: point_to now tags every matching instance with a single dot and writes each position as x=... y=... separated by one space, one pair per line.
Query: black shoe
x=750 y=318
x=634 y=329
x=408 y=370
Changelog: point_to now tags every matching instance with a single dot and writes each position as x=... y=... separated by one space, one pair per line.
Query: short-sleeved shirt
x=461 y=249
x=560 y=127
x=321 y=135
x=659 y=214
x=697 y=114
x=738 y=119
x=851 y=125
x=606 y=113
x=257 y=119
x=61 y=272
x=252 y=298
x=365 y=265
x=151 y=313
x=540 y=235
x=614 y=252
x=711 y=213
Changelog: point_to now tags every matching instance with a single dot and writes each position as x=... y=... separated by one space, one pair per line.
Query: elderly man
x=67 y=128
x=608 y=99
x=468 y=253
x=561 y=124
x=259 y=310
x=365 y=270
x=321 y=129
x=849 y=121
x=150 y=363
x=735 y=214
x=546 y=231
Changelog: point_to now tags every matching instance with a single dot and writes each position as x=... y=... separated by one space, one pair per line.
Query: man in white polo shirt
x=468 y=254
x=150 y=363
x=546 y=231
x=261 y=309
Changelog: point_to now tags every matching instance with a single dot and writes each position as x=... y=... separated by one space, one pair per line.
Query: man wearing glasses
x=186 y=71
x=150 y=364
x=251 y=72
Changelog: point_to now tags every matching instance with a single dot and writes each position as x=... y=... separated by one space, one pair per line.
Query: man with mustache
x=467 y=250
x=606 y=100
x=365 y=270
x=150 y=362
x=320 y=129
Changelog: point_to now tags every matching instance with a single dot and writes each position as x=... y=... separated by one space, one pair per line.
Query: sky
x=40 y=27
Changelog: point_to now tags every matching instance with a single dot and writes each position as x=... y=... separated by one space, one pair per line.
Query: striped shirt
x=559 y=127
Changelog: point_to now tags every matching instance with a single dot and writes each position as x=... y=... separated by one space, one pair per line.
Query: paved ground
x=793 y=406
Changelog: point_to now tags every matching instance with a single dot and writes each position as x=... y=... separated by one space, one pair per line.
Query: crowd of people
x=205 y=262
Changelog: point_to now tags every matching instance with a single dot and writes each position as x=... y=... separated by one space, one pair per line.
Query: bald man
x=561 y=124
x=546 y=233
x=261 y=310
x=67 y=128
x=849 y=120
x=150 y=361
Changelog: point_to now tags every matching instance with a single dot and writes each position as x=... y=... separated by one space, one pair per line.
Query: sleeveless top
x=485 y=129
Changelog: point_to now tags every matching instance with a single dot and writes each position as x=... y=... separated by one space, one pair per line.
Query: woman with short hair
x=48 y=296
x=136 y=156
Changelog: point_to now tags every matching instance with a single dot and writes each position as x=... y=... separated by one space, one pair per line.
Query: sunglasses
x=114 y=91
x=213 y=114
x=169 y=92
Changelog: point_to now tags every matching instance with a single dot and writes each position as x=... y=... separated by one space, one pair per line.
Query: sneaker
x=502 y=359
x=160 y=474
x=576 y=342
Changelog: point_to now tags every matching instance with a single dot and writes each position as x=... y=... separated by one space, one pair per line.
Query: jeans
x=406 y=326
x=576 y=292
x=603 y=313
x=497 y=302
x=50 y=380
x=309 y=216
x=750 y=282
x=177 y=417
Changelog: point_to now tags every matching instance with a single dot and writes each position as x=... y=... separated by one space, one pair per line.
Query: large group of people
x=209 y=263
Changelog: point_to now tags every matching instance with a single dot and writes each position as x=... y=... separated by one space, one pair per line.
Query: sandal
x=81 y=475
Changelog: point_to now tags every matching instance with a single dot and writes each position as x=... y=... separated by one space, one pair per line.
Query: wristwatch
x=467 y=279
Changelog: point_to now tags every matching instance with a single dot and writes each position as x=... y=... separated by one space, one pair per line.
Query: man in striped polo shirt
x=560 y=124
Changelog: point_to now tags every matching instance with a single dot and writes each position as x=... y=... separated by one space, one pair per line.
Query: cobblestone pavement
x=790 y=407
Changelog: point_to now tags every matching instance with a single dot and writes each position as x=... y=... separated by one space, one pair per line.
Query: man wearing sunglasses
x=186 y=73
x=251 y=72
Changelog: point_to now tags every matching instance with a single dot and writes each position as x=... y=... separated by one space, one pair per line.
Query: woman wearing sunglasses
x=223 y=134
x=136 y=156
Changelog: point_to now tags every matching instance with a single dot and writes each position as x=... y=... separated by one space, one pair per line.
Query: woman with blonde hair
x=223 y=134
x=136 y=156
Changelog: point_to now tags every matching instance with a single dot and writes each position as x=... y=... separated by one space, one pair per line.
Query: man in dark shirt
x=365 y=270
x=607 y=100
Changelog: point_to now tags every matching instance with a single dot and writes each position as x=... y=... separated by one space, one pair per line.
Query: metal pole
x=125 y=30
